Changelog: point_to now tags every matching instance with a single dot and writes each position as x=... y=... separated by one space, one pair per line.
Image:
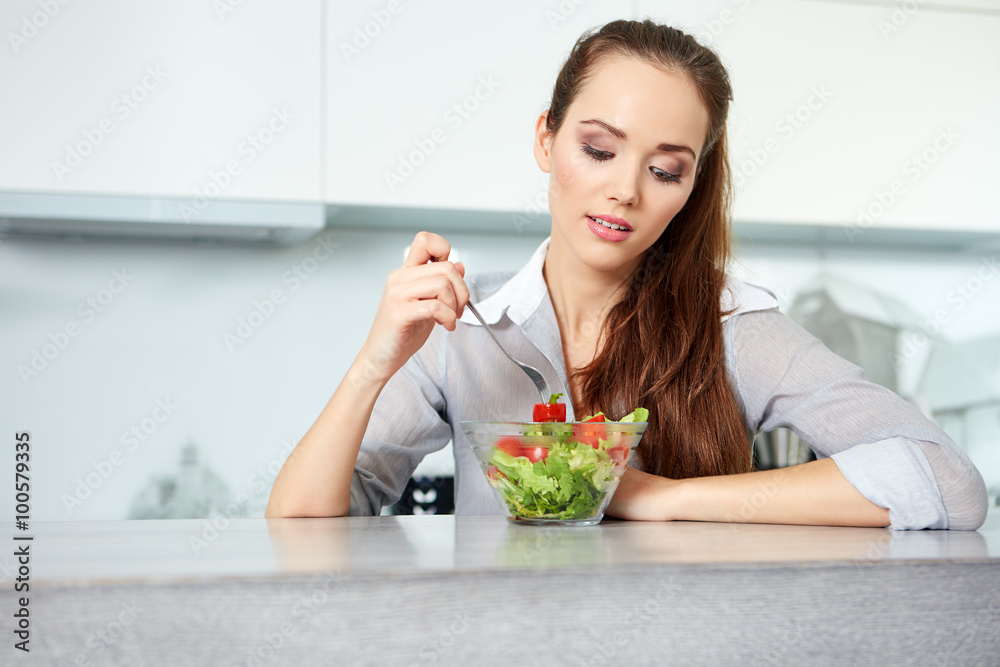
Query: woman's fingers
x=416 y=296
x=438 y=288
x=426 y=245
x=416 y=312
x=455 y=293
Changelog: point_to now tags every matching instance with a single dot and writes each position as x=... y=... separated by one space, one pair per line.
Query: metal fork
x=540 y=384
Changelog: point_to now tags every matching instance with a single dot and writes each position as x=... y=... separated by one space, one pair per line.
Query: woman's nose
x=624 y=187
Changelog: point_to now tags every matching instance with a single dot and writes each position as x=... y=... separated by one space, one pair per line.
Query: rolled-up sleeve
x=407 y=423
x=885 y=447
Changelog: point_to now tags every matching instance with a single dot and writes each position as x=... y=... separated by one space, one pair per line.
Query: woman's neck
x=581 y=296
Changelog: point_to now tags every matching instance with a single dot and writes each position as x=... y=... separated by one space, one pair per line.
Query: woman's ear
x=543 y=143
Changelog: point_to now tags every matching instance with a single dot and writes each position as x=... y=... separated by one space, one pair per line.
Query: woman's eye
x=665 y=176
x=596 y=154
x=601 y=156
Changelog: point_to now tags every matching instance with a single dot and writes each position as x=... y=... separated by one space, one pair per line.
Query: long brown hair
x=662 y=342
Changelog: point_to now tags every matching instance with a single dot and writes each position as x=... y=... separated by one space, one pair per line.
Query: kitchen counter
x=470 y=590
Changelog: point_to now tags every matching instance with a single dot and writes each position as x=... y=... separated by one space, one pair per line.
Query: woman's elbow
x=283 y=510
x=303 y=514
x=971 y=518
x=968 y=512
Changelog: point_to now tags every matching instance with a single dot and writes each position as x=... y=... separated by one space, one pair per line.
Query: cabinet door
x=434 y=104
x=218 y=98
x=862 y=116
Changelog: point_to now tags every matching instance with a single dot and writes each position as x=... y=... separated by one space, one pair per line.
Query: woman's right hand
x=416 y=297
x=316 y=478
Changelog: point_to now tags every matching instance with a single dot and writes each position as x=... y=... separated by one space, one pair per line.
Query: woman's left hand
x=643 y=497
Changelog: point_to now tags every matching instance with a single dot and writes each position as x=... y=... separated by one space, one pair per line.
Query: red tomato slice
x=618 y=454
x=493 y=473
x=589 y=436
x=510 y=446
x=515 y=447
x=534 y=454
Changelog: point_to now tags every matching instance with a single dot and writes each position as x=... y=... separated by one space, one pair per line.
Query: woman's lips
x=606 y=233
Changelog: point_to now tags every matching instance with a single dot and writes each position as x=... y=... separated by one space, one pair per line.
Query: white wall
x=162 y=338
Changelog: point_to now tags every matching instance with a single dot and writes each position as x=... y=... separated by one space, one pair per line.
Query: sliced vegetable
x=590 y=435
x=534 y=454
x=568 y=484
x=637 y=415
x=567 y=479
x=618 y=454
x=551 y=411
x=511 y=446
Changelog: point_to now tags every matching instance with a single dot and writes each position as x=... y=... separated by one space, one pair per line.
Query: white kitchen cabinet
x=433 y=105
x=861 y=116
x=190 y=99
x=400 y=113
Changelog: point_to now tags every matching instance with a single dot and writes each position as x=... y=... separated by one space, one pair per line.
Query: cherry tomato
x=618 y=454
x=515 y=447
x=535 y=454
x=510 y=446
x=549 y=412
x=589 y=436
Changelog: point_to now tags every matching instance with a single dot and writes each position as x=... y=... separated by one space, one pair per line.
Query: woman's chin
x=592 y=252
x=612 y=261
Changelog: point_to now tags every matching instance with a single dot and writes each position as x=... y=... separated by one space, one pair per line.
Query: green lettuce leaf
x=637 y=415
x=570 y=483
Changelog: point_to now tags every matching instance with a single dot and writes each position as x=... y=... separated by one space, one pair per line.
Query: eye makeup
x=592 y=138
x=659 y=174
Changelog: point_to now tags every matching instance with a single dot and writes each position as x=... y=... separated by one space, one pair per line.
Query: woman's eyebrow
x=666 y=148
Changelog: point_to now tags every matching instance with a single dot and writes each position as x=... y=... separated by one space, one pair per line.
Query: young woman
x=627 y=304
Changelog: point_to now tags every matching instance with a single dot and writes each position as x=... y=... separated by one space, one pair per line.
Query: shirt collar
x=519 y=297
x=741 y=297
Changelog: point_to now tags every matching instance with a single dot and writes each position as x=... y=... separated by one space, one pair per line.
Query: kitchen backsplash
x=169 y=380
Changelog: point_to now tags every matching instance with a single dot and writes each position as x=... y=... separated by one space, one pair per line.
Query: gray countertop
x=107 y=552
x=471 y=590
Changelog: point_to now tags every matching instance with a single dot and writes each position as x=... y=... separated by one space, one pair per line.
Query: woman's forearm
x=814 y=493
x=316 y=478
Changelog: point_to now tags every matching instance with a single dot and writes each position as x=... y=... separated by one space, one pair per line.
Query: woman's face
x=625 y=155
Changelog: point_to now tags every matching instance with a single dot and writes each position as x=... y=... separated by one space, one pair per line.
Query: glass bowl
x=546 y=473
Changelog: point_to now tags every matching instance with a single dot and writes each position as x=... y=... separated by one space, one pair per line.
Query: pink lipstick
x=604 y=227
